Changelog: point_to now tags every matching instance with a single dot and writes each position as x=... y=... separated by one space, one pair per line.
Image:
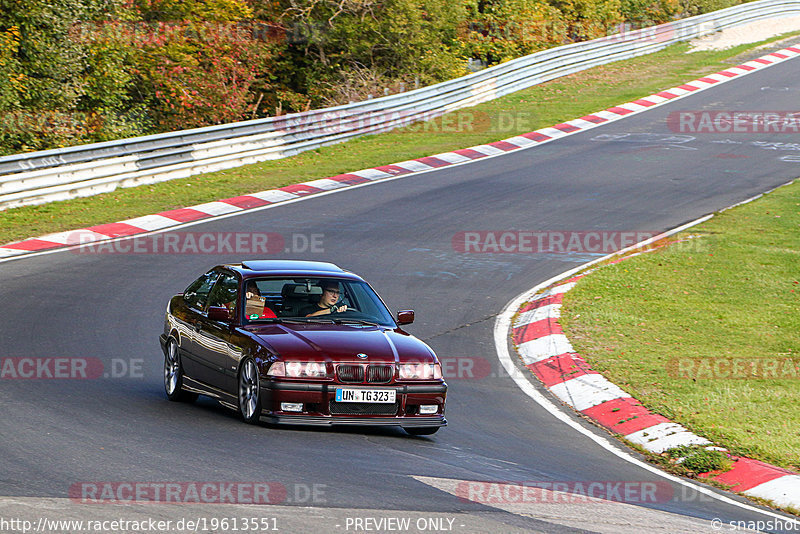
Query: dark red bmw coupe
x=300 y=342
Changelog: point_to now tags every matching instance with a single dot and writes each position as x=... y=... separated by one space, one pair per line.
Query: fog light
x=291 y=406
x=428 y=409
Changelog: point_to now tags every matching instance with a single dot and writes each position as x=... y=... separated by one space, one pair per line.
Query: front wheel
x=249 y=398
x=173 y=374
x=422 y=431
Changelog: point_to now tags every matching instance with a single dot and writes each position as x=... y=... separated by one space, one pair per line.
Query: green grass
x=698 y=459
x=544 y=105
x=707 y=332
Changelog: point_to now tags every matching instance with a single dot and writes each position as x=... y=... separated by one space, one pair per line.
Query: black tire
x=173 y=375
x=422 y=431
x=249 y=393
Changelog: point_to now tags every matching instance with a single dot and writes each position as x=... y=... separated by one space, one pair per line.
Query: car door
x=214 y=337
x=188 y=316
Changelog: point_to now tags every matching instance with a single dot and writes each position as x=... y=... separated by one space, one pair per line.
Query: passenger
x=327 y=301
x=256 y=304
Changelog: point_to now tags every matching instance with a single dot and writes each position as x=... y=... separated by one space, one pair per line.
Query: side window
x=196 y=294
x=348 y=297
x=225 y=291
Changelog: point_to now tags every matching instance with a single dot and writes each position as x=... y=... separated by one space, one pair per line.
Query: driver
x=327 y=301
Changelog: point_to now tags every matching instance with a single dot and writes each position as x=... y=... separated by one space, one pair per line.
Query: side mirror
x=405 y=317
x=219 y=313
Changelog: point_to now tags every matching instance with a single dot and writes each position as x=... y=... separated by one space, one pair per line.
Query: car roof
x=249 y=268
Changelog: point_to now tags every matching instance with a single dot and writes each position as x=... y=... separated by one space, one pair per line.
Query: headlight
x=277 y=369
x=302 y=369
x=420 y=371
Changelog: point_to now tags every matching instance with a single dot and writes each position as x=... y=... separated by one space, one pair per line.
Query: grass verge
x=544 y=105
x=707 y=331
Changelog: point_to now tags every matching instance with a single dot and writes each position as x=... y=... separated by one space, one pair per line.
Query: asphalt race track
x=58 y=434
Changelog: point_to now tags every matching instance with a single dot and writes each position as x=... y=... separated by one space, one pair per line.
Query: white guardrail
x=45 y=176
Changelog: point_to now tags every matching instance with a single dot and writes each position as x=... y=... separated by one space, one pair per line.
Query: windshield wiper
x=273 y=320
x=317 y=320
x=354 y=321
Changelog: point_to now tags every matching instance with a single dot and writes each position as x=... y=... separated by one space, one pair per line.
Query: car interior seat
x=296 y=297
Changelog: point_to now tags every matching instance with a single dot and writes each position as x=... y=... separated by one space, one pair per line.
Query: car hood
x=340 y=343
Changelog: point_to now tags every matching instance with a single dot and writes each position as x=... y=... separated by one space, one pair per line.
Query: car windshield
x=313 y=300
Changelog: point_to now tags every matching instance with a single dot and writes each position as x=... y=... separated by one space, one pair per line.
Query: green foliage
x=194 y=10
x=49 y=61
x=500 y=30
x=12 y=77
x=588 y=19
x=699 y=459
x=643 y=13
x=108 y=84
x=198 y=78
x=332 y=44
x=78 y=71
x=690 y=8
x=41 y=70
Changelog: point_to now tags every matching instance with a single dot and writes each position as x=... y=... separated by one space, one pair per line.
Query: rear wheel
x=249 y=398
x=422 y=431
x=173 y=374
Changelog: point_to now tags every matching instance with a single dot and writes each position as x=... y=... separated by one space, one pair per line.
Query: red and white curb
x=228 y=206
x=548 y=353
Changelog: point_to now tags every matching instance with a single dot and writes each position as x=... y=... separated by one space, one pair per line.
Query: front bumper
x=312 y=420
x=318 y=400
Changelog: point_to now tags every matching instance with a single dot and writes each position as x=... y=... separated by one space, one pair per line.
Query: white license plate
x=382 y=396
